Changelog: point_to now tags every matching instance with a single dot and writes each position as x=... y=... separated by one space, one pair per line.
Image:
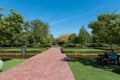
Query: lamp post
x=23 y=51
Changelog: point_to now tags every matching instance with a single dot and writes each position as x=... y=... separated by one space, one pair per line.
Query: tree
x=14 y=25
x=15 y=31
x=23 y=40
x=83 y=36
x=63 y=39
x=40 y=32
x=27 y=26
x=52 y=40
x=2 y=25
x=106 y=28
x=72 y=38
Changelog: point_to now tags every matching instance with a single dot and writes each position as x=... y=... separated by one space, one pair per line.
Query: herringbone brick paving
x=50 y=65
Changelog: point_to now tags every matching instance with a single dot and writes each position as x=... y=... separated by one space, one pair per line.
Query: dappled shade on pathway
x=50 y=65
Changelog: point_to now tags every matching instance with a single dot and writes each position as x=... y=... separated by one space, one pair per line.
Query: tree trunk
x=12 y=45
x=110 y=45
x=1 y=45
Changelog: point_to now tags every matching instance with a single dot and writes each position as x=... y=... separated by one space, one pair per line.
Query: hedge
x=1 y=65
x=19 y=50
x=76 y=50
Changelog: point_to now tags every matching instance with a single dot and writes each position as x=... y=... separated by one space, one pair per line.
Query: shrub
x=69 y=45
x=74 y=56
x=1 y=65
x=78 y=45
x=95 y=45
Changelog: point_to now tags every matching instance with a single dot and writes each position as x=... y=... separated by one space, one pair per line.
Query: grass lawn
x=88 y=70
x=11 y=63
x=80 y=50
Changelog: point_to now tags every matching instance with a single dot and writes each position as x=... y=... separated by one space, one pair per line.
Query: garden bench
x=102 y=60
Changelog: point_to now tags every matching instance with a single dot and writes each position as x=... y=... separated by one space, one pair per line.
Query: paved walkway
x=50 y=65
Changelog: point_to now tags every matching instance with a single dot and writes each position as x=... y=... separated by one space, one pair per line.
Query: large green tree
x=72 y=38
x=52 y=40
x=106 y=28
x=23 y=39
x=3 y=29
x=40 y=32
x=15 y=31
x=83 y=36
x=14 y=25
x=10 y=25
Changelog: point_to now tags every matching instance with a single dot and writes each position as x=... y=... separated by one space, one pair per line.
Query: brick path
x=50 y=65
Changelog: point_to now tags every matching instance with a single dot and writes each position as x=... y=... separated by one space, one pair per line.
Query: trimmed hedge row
x=33 y=51
x=66 y=51
x=16 y=55
x=81 y=56
x=19 y=50
x=85 y=52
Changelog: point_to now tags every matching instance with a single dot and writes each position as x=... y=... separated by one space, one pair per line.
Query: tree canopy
x=83 y=36
x=10 y=25
x=106 y=28
x=15 y=31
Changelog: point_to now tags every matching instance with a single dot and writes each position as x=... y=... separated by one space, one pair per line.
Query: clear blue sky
x=63 y=16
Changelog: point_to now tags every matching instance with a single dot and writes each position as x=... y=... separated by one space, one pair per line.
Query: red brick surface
x=50 y=65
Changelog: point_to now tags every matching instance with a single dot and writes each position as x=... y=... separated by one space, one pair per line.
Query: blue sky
x=63 y=16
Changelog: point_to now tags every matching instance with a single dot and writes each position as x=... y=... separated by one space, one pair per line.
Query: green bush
x=69 y=45
x=1 y=65
x=78 y=45
x=95 y=45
